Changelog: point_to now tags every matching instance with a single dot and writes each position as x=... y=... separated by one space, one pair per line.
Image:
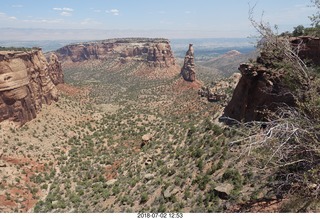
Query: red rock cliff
x=264 y=87
x=308 y=47
x=155 y=52
x=27 y=81
x=259 y=90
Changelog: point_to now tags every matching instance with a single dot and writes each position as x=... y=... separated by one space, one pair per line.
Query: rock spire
x=188 y=69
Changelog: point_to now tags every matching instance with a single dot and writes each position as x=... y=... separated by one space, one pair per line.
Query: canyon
x=130 y=132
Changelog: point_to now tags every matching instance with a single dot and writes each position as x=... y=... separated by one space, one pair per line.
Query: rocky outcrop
x=220 y=91
x=27 y=81
x=155 y=52
x=55 y=70
x=188 y=69
x=308 y=48
x=268 y=84
x=259 y=91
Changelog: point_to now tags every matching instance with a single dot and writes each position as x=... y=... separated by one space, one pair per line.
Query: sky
x=177 y=18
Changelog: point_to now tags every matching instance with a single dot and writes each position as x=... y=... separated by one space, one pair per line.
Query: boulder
x=224 y=190
x=111 y=182
x=149 y=176
x=145 y=139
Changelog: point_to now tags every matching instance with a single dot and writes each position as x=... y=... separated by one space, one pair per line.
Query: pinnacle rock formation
x=27 y=81
x=188 y=69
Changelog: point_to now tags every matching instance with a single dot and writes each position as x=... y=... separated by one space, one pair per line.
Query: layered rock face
x=259 y=91
x=188 y=69
x=155 y=52
x=263 y=88
x=55 y=70
x=308 y=48
x=27 y=81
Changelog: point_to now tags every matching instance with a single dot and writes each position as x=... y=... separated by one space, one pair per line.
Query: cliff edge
x=156 y=52
x=27 y=81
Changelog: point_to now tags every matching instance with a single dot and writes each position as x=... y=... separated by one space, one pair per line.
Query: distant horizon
x=37 y=34
x=177 y=44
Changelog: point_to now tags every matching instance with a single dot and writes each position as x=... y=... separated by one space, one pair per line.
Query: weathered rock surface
x=224 y=190
x=220 y=90
x=264 y=88
x=259 y=91
x=27 y=81
x=145 y=139
x=156 y=52
x=149 y=176
x=55 y=70
x=188 y=70
x=309 y=48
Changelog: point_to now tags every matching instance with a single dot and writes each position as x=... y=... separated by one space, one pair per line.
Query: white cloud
x=68 y=9
x=66 y=14
x=113 y=12
x=63 y=9
x=5 y=17
x=187 y=12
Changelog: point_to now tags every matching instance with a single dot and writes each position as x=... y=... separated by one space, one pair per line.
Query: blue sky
x=207 y=18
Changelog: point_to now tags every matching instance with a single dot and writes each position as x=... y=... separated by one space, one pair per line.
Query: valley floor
x=85 y=153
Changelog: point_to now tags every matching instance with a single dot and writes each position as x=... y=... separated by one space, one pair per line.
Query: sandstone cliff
x=273 y=80
x=27 y=81
x=259 y=90
x=188 y=69
x=155 y=52
x=308 y=48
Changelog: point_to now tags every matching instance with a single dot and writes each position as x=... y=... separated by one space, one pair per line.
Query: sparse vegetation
x=85 y=154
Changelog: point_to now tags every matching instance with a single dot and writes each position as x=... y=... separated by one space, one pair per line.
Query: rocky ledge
x=154 y=51
x=27 y=81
